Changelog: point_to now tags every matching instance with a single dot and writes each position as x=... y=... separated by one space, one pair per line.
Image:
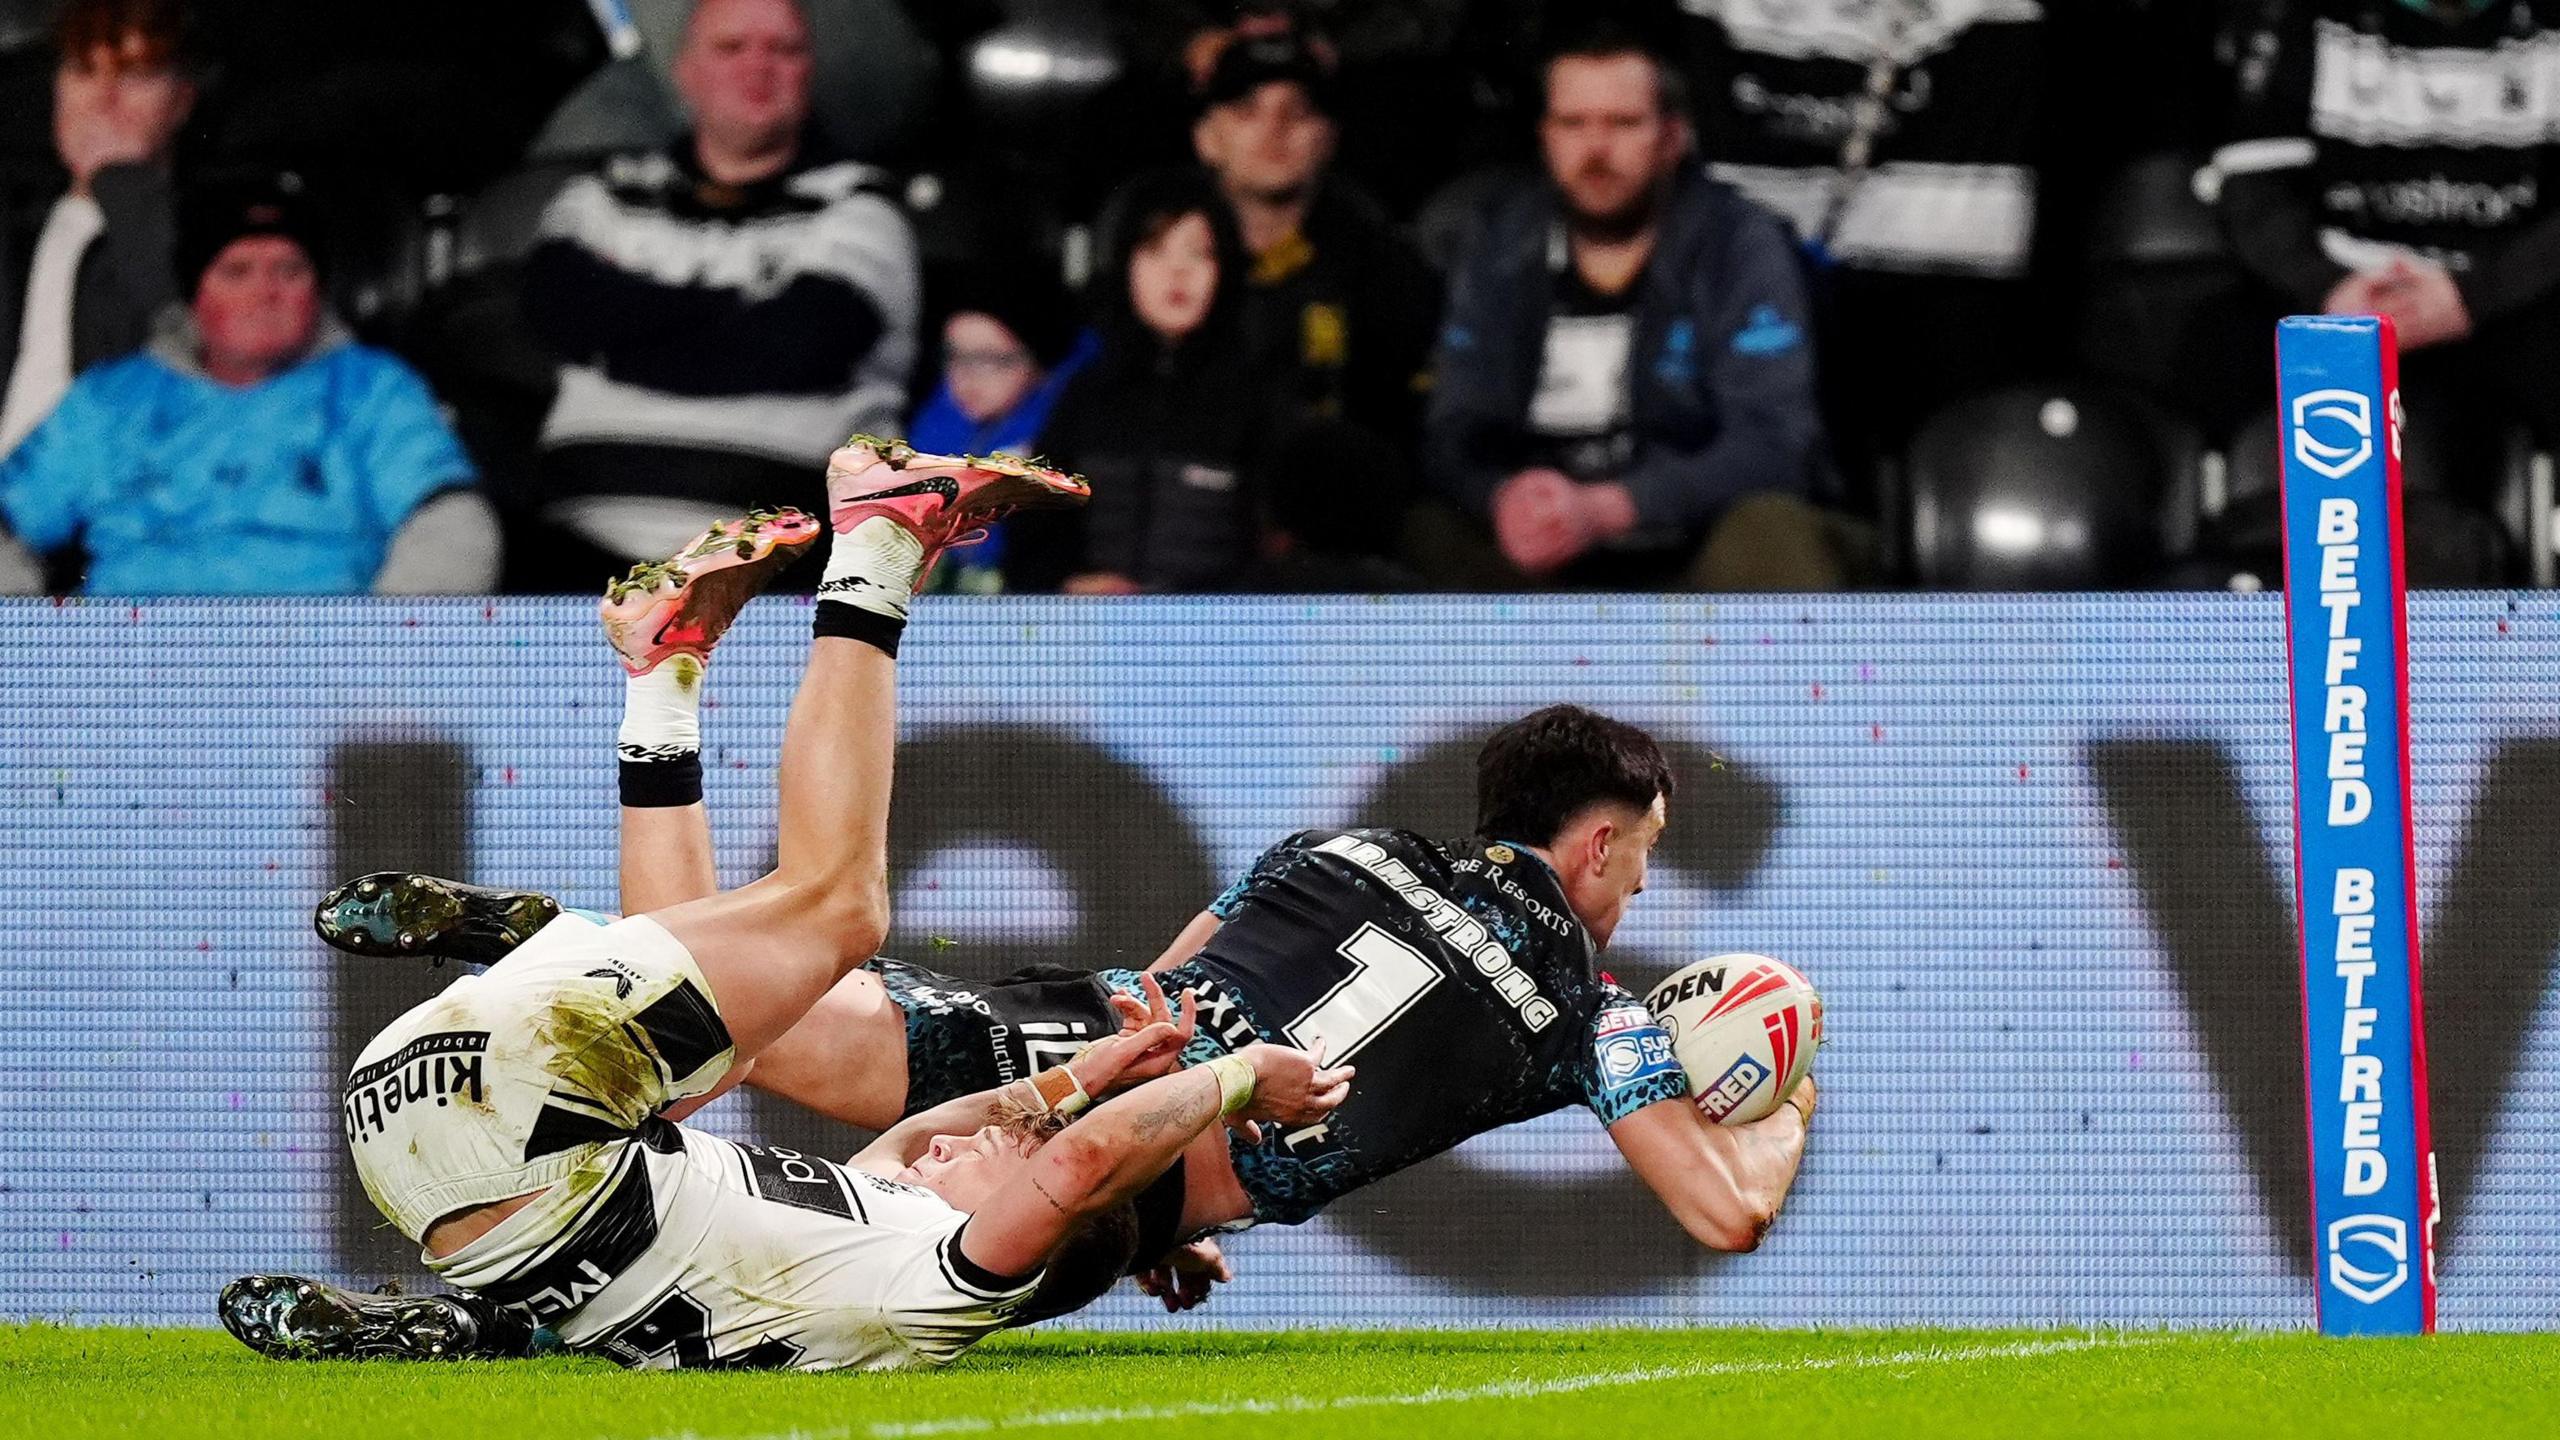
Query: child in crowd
x=1169 y=421
x=1011 y=341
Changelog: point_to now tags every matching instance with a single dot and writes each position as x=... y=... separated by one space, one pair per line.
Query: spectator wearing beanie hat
x=252 y=447
x=1011 y=341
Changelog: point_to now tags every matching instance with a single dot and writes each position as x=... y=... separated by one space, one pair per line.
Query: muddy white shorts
x=507 y=1082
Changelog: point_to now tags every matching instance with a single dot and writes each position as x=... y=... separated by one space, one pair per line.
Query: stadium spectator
x=1336 y=300
x=87 y=267
x=2395 y=160
x=872 y=65
x=728 y=309
x=1011 y=340
x=1169 y=421
x=1900 y=142
x=1624 y=389
x=253 y=447
x=1010 y=343
x=1426 y=85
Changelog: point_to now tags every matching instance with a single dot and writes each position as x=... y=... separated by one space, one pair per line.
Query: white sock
x=661 y=711
x=873 y=567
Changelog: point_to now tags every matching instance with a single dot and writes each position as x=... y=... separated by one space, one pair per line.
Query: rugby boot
x=395 y=914
x=286 y=1317
x=684 y=604
x=942 y=500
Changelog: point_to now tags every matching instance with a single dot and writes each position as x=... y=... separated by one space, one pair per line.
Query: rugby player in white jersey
x=521 y=1126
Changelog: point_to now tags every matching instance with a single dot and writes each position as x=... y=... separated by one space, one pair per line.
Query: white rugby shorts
x=505 y=1083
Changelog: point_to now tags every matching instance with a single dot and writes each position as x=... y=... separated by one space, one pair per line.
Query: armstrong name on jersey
x=1453 y=974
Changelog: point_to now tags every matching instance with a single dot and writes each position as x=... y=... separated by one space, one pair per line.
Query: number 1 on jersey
x=1387 y=976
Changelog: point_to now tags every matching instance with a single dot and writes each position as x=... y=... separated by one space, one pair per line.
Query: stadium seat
x=377 y=253
x=965 y=216
x=498 y=225
x=2436 y=454
x=470 y=332
x=1030 y=78
x=2165 y=307
x=469 y=337
x=2036 y=487
x=1445 y=227
x=2452 y=538
x=2527 y=505
x=2149 y=215
x=27 y=25
x=1042 y=140
x=26 y=93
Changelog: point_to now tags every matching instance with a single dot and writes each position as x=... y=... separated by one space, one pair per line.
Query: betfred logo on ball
x=1744 y=1028
x=1745 y=1075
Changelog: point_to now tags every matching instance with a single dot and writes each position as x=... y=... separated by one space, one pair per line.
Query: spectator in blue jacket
x=1625 y=392
x=251 y=448
x=1011 y=341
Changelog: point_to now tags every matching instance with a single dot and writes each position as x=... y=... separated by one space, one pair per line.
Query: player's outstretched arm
x=1118 y=1150
x=1723 y=1183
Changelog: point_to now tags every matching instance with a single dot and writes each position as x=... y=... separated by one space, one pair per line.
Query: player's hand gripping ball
x=1745 y=1028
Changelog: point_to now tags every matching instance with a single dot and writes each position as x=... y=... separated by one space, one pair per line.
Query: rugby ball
x=1744 y=1027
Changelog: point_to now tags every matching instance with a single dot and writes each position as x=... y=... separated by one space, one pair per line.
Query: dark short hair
x=1611 y=40
x=1138 y=215
x=1019 y=291
x=1546 y=767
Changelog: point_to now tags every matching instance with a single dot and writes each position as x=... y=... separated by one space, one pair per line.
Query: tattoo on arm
x=1045 y=1195
x=1174 y=1110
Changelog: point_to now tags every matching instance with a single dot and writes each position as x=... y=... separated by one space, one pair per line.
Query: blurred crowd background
x=303 y=296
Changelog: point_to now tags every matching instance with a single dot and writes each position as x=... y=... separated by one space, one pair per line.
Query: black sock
x=506 y=1332
x=661 y=784
x=852 y=622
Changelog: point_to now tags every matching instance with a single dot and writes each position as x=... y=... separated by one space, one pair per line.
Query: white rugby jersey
x=684 y=1250
x=657 y=1245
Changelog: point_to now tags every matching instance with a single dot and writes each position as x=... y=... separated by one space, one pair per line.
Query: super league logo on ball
x=2384 y=1233
x=2338 y=456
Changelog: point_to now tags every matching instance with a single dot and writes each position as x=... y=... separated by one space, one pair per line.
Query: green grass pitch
x=68 y=1384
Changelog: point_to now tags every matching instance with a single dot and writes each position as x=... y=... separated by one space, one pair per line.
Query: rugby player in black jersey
x=1457 y=975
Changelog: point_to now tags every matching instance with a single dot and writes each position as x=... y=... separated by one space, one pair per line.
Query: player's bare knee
x=859 y=942
x=856 y=918
x=847 y=921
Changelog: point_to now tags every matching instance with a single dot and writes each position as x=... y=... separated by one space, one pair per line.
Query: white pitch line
x=1438 y=1395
